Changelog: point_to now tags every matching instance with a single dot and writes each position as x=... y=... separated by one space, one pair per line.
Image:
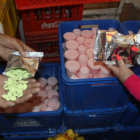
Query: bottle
x=57 y=12
x=68 y=12
x=38 y=14
x=48 y=13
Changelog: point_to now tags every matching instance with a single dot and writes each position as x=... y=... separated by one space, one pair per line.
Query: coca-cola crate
x=49 y=47
x=33 y=4
x=44 y=20
x=31 y=39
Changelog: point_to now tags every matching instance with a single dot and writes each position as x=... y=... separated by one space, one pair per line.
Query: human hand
x=122 y=72
x=135 y=49
x=33 y=87
x=10 y=44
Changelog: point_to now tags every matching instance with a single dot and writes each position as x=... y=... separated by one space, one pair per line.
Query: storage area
x=87 y=98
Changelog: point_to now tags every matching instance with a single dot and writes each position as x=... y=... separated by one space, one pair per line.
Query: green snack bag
x=18 y=70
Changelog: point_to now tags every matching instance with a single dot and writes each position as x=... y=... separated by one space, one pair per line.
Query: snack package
x=30 y=62
x=117 y=44
x=121 y=45
x=99 y=48
x=18 y=69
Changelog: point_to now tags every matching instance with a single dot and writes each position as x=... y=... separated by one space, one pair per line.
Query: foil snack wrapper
x=121 y=45
x=100 y=45
x=30 y=62
x=106 y=47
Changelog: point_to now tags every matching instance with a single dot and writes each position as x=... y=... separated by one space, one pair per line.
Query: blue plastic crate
x=89 y=121
x=131 y=117
x=28 y=136
x=110 y=134
x=50 y=121
x=131 y=26
x=86 y=95
x=123 y=134
x=95 y=134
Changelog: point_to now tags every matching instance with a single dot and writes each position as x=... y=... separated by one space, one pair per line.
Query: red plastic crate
x=34 y=4
x=44 y=20
x=50 y=49
x=31 y=39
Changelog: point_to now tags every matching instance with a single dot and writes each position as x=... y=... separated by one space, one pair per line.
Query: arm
x=127 y=77
x=9 y=44
x=133 y=85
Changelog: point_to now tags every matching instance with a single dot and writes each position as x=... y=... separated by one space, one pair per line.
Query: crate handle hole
x=88 y=26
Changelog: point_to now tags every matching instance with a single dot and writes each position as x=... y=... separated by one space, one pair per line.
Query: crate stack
x=9 y=18
x=98 y=108
x=40 y=22
x=131 y=117
x=34 y=125
x=98 y=104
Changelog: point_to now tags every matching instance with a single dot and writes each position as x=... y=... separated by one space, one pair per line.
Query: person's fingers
x=32 y=90
x=4 y=53
x=32 y=80
x=135 y=49
x=26 y=47
x=23 y=98
x=14 y=44
x=33 y=85
x=28 y=94
x=20 y=48
x=119 y=60
x=114 y=69
x=6 y=104
x=3 y=78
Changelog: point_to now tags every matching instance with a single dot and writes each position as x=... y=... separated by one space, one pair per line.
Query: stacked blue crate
x=122 y=133
x=97 y=134
x=48 y=122
x=28 y=136
x=131 y=117
x=91 y=121
x=91 y=103
x=133 y=26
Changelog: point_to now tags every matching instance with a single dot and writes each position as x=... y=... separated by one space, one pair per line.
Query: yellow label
x=110 y=34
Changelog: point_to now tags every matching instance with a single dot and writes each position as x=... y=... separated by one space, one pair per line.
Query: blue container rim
x=93 y=130
x=131 y=21
x=45 y=113
x=95 y=111
x=126 y=25
x=81 y=81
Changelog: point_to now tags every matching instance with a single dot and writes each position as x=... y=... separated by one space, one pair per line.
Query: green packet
x=18 y=69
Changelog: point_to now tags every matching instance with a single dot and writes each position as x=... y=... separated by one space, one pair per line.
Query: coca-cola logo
x=26 y=123
x=46 y=25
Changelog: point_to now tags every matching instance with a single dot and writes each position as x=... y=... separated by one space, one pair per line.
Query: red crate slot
x=35 y=4
x=75 y=2
x=32 y=39
x=50 y=49
x=46 y=20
